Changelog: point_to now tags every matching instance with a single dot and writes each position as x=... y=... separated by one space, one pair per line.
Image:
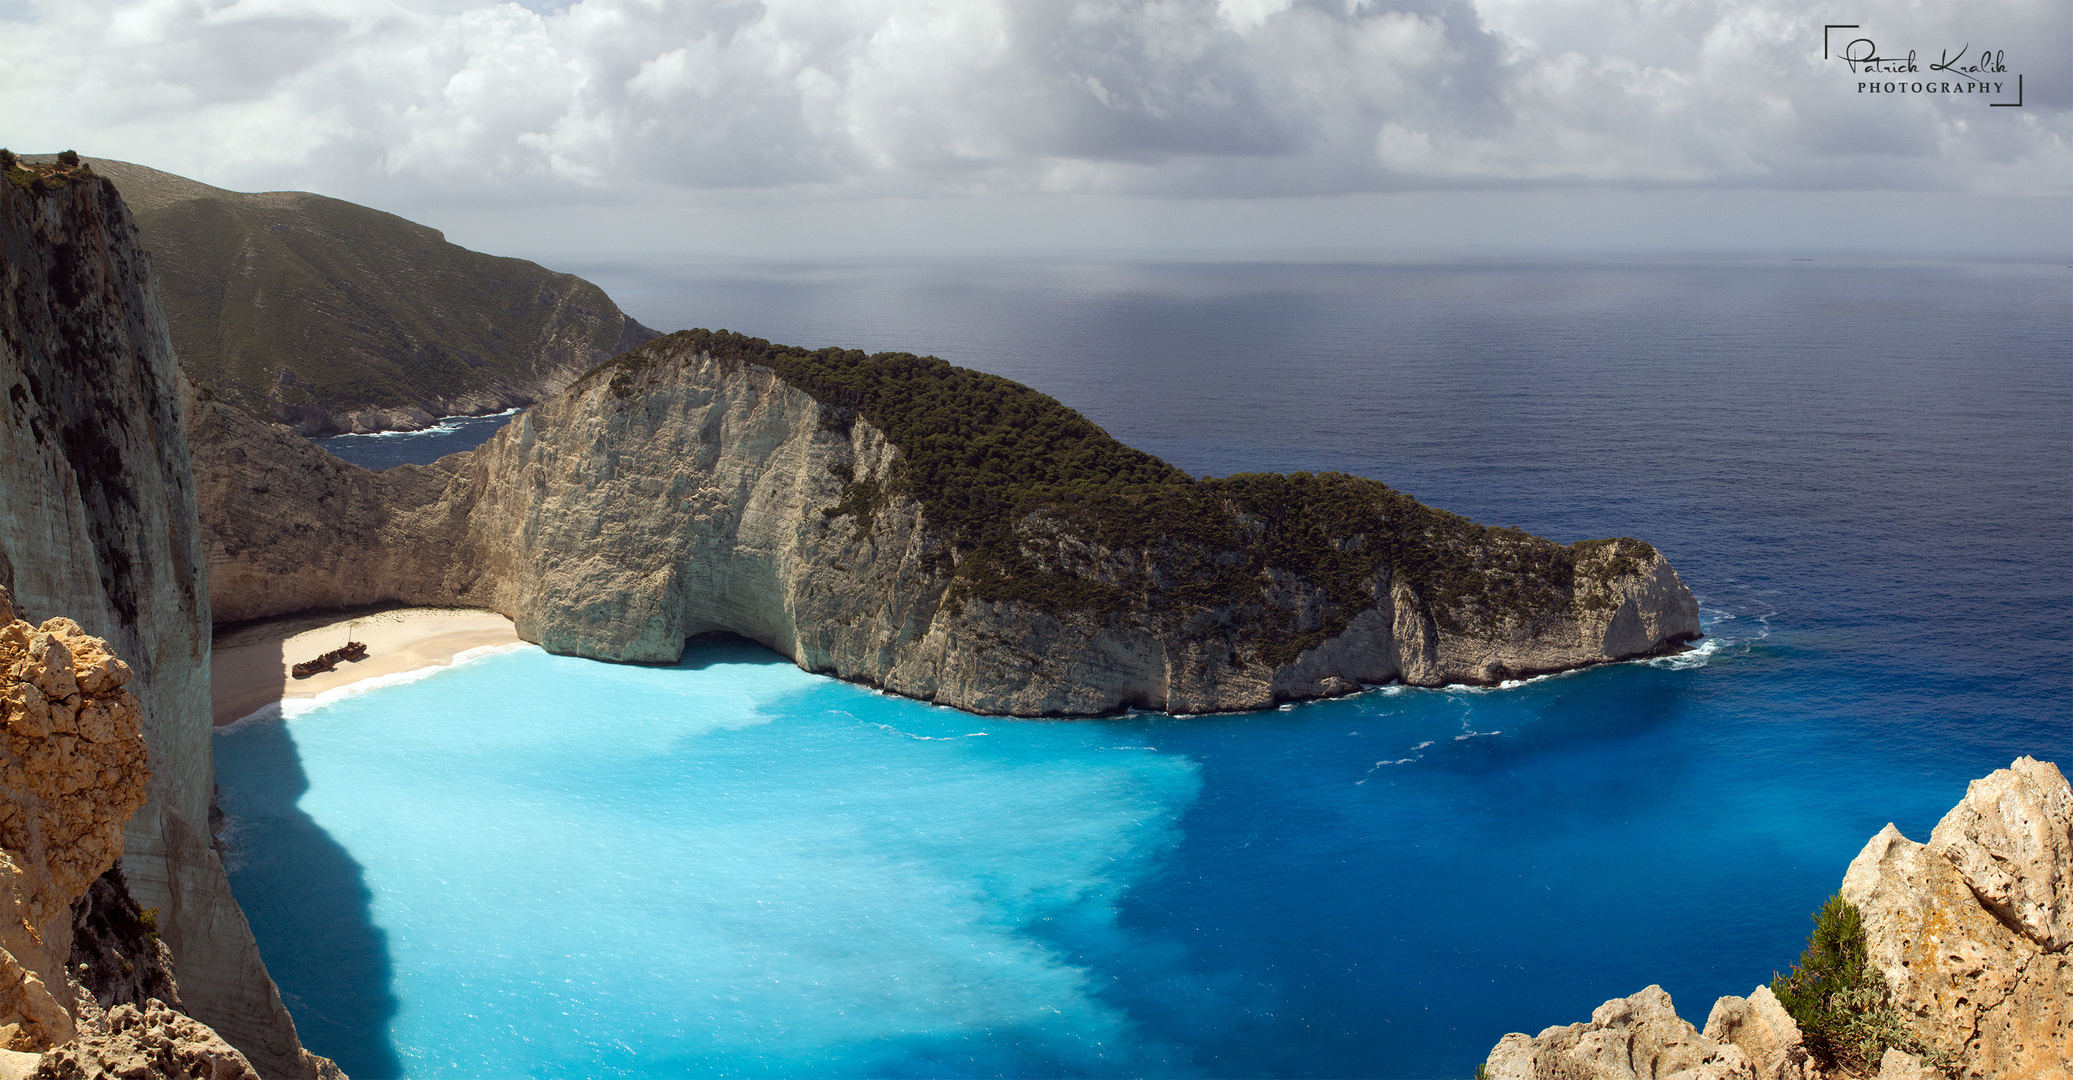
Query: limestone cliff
x=1971 y=928
x=685 y=490
x=72 y=771
x=97 y=522
x=1969 y=933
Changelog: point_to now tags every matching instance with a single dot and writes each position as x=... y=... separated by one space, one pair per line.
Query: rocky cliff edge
x=1969 y=932
x=72 y=771
x=98 y=523
x=685 y=489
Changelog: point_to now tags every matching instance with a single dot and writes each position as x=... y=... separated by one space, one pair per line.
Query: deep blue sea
x=386 y=449
x=529 y=865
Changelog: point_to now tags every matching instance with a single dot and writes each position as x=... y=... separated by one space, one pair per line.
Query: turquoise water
x=729 y=866
x=532 y=865
x=538 y=865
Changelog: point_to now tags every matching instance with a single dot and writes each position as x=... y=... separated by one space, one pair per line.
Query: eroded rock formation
x=72 y=771
x=689 y=493
x=1641 y=1037
x=1968 y=930
x=97 y=522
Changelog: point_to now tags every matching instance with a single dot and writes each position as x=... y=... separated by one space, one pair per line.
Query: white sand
x=250 y=669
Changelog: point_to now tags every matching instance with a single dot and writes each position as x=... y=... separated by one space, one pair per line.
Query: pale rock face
x=72 y=771
x=2009 y=837
x=151 y=1042
x=1967 y=929
x=1901 y=1065
x=1960 y=934
x=1765 y=1033
x=613 y=522
x=1632 y=1038
x=97 y=521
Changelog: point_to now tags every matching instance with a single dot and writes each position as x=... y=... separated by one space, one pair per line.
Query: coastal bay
x=249 y=667
x=1376 y=885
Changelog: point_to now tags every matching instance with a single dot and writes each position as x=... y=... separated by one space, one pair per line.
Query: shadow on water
x=711 y=650
x=310 y=908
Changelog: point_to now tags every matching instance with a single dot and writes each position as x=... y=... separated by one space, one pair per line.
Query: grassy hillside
x=1040 y=505
x=305 y=309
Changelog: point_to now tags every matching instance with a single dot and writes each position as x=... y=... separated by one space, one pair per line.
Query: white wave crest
x=444 y=425
x=1695 y=657
x=888 y=728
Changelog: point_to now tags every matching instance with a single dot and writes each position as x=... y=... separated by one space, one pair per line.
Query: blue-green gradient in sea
x=538 y=866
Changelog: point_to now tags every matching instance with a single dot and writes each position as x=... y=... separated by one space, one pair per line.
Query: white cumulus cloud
x=593 y=101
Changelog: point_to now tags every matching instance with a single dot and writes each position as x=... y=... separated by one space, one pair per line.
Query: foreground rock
x=136 y=1044
x=1969 y=928
x=680 y=492
x=1642 y=1038
x=72 y=771
x=97 y=522
x=1969 y=931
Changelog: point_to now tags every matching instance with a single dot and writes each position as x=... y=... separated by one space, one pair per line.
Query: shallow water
x=730 y=867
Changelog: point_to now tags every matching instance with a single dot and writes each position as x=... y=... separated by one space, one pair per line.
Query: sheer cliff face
x=706 y=495
x=97 y=522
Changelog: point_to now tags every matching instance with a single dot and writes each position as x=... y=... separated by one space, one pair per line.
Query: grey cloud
x=592 y=100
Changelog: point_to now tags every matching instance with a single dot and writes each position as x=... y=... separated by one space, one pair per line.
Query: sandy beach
x=251 y=663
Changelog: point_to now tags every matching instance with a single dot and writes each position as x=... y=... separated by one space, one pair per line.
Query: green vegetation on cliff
x=1039 y=505
x=41 y=176
x=1838 y=998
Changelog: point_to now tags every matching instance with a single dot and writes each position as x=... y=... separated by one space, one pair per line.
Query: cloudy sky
x=798 y=127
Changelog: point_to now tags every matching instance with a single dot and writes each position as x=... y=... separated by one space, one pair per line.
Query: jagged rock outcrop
x=1969 y=932
x=689 y=493
x=1641 y=1037
x=146 y=1044
x=329 y=316
x=1969 y=928
x=72 y=771
x=97 y=522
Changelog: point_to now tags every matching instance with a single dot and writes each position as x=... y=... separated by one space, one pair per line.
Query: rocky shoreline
x=1968 y=933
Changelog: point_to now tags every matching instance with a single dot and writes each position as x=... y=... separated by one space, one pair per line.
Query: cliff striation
x=97 y=521
x=1965 y=936
x=328 y=316
x=942 y=534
